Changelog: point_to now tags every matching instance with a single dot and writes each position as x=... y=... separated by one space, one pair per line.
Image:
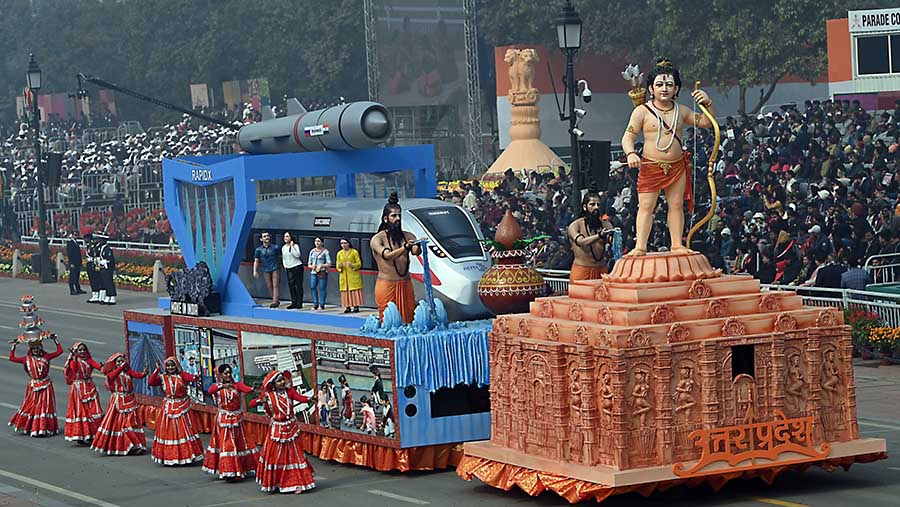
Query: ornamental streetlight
x=568 y=33
x=33 y=79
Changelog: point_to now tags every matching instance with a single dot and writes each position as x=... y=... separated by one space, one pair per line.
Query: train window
x=461 y=400
x=365 y=253
x=333 y=245
x=451 y=228
x=307 y=242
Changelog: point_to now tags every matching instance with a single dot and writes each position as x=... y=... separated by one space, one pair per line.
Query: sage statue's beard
x=593 y=221
x=395 y=233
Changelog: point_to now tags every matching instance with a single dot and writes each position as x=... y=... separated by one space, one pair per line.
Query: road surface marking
x=402 y=498
x=10 y=327
x=91 y=341
x=17 y=407
x=232 y=502
x=59 y=491
x=781 y=503
x=879 y=425
x=72 y=313
x=896 y=469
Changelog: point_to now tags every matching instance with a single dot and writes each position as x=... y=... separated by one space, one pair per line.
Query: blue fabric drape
x=443 y=358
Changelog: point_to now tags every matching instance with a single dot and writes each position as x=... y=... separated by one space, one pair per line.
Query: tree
x=305 y=48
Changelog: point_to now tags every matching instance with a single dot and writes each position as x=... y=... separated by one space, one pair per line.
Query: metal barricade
x=99 y=135
x=128 y=128
x=115 y=245
x=884 y=268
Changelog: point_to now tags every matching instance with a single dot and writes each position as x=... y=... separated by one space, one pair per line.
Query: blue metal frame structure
x=182 y=176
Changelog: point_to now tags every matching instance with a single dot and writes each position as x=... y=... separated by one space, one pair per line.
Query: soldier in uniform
x=107 y=263
x=92 y=252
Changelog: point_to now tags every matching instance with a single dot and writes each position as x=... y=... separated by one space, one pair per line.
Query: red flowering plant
x=861 y=323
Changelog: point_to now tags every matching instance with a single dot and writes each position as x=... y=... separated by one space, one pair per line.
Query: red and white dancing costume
x=84 y=411
x=282 y=465
x=37 y=415
x=175 y=441
x=120 y=431
x=229 y=454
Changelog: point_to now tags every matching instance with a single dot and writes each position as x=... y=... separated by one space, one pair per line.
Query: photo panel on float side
x=218 y=346
x=188 y=342
x=146 y=347
x=263 y=353
x=355 y=391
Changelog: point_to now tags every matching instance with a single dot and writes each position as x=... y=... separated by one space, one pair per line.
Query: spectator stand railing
x=557 y=279
x=57 y=144
x=226 y=145
x=884 y=268
x=128 y=128
x=118 y=245
x=99 y=135
x=143 y=184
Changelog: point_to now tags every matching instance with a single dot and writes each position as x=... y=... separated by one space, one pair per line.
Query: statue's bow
x=709 y=174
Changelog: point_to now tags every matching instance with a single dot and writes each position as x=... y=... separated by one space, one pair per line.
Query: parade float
x=666 y=372
x=426 y=382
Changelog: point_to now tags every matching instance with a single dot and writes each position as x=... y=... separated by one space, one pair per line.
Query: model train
x=456 y=257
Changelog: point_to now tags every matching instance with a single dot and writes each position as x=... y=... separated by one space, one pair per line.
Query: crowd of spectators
x=801 y=188
x=101 y=170
x=806 y=187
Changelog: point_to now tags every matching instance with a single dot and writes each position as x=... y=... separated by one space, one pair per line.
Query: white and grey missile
x=350 y=126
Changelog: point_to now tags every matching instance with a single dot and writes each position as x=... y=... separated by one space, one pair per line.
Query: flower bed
x=871 y=338
x=134 y=269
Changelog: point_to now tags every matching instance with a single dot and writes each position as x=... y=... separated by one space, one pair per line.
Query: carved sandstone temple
x=664 y=372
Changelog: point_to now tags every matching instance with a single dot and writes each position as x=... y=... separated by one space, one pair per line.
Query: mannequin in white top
x=293 y=264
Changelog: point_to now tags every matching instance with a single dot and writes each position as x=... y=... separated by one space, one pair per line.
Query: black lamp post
x=568 y=32
x=33 y=78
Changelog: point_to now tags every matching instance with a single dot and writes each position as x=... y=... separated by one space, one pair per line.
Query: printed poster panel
x=199 y=95
x=218 y=346
x=231 y=93
x=355 y=391
x=265 y=352
x=188 y=342
x=145 y=349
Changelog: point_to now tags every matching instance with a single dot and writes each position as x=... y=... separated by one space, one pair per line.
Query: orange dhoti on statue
x=580 y=272
x=656 y=175
x=398 y=291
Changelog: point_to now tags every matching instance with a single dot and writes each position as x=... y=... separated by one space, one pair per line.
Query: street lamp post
x=568 y=32
x=33 y=78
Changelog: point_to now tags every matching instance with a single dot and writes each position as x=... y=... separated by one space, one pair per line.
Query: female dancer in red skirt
x=175 y=441
x=37 y=415
x=84 y=411
x=120 y=432
x=282 y=465
x=229 y=454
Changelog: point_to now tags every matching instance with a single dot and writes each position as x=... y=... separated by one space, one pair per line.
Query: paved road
x=52 y=472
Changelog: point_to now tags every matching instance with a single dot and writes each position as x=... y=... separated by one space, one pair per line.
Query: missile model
x=349 y=126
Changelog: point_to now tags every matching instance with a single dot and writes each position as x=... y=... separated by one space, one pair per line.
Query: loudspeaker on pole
x=595 y=163
x=54 y=168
